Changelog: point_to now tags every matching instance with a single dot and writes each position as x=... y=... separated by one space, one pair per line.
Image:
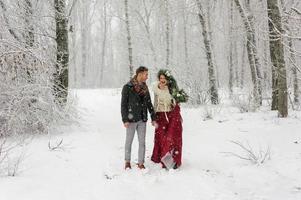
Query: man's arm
x=150 y=106
x=124 y=104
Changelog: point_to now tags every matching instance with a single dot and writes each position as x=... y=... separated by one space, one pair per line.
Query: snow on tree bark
x=211 y=71
x=62 y=57
x=277 y=57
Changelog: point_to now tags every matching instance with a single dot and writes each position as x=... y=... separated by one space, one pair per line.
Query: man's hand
x=154 y=123
x=126 y=124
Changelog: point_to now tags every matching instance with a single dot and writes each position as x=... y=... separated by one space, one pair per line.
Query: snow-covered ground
x=89 y=164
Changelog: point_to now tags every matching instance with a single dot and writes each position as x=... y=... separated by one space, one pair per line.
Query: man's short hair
x=141 y=69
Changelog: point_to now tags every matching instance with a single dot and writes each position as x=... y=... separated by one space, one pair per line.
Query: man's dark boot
x=141 y=166
x=127 y=165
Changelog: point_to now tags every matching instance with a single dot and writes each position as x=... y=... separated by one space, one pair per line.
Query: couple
x=165 y=115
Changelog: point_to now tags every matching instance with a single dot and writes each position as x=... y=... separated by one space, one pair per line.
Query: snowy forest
x=60 y=59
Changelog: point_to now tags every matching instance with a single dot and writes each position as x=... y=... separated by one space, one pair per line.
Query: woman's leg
x=159 y=134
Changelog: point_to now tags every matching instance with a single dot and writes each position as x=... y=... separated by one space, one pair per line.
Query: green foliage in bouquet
x=179 y=95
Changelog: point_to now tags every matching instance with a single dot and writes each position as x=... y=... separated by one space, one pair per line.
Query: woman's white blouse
x=162 y=99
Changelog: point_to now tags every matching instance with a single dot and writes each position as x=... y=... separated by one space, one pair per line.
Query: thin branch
x=296 y=11
x=11 y=31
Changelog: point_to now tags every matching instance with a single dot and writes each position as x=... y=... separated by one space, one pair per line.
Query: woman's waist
x=163 y=111
x=164 y=108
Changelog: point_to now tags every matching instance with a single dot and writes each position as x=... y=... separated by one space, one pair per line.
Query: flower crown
x=179 y=95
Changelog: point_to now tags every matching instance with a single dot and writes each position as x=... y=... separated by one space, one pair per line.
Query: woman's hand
x=126 y=124
x=154 y=123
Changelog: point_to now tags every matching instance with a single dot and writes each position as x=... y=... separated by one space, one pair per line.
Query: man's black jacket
x=133 y=106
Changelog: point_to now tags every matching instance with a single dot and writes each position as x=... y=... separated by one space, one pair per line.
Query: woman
x=168 y=133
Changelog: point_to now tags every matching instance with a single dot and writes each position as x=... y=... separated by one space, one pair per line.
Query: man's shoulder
x=128 y=85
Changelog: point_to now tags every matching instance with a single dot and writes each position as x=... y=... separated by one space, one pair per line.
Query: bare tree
x=29 y=68
x=10 y=29
x=167 y=32
x=254 y=48
x=185 y=20
x=129 y=37
x=84 y=35
x=277 y=56
x=243 y=63
x=208 y=48
x=73 y=72
x=291 y=47
x=29 y=34
x=248 y=21
x=62 y=58
x=104 y=42
x=29 y=31
x=231 y=49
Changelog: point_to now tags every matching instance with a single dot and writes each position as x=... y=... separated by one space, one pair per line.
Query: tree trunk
x=62 y=57
x=10 y=30
x=235 y=61
x=231 y=46
x=104 y=40
x=243 y=63
x=252 y=52
x=294 y=71
x=207 y=43
x=277 y=56
x=292 y=52
x=186 y=53
x=129 y=38
x=167 y=33
x=73 y=27
x=29 y=34
x=84 y=40
x=266 y=85
x=274 y=105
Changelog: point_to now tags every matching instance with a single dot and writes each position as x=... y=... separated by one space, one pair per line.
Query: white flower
x=167 y=73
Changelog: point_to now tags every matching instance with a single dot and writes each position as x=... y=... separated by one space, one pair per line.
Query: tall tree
x=207 y=42
x=85 y=35
x=167 y=32
x=29 y=33
x=104 y=41
x=62 y=52
x=254 y=49
x=277 y=56
x=291 y=47
x=129 y=37
x=10 y=29
x=243 y=63
x=185 y=41
x=294 y=70
x=73 y=47
x=251 y=50
x=231 y=49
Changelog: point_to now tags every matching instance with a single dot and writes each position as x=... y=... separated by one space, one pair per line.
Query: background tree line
x=242 y=49
x=214 y=47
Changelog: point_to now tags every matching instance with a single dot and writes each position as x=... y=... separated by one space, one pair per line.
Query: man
x=135 y=102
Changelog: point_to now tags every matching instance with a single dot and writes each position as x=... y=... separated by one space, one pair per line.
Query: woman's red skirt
x=168 y=136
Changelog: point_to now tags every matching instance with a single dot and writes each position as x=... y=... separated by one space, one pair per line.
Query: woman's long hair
x=178 y=94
